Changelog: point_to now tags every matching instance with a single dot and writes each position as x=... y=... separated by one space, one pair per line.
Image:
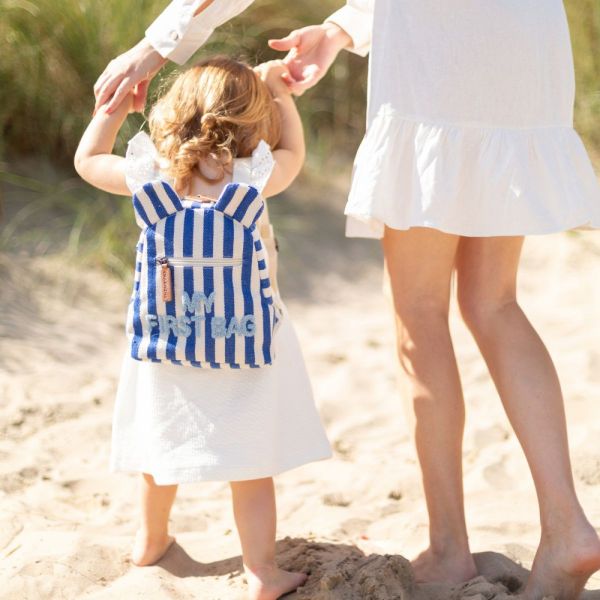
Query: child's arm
x=290 y=151
x=94 y=160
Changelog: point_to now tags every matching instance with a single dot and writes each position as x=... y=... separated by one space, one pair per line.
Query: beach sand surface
x=67 y=524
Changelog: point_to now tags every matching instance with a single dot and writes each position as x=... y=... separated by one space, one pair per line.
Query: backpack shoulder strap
x=242 y=203
x=154 y=201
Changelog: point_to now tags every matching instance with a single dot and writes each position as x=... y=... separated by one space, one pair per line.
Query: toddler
x=220 y=123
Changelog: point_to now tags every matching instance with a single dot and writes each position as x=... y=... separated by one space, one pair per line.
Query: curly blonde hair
x=218 y=109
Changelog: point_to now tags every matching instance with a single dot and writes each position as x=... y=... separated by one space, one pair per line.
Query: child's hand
x=272 y=73
x=126 y=106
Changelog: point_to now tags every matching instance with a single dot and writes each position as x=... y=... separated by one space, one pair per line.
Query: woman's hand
x=273 y=73
x=131 y=72
x=125 y=107
x=311 y=51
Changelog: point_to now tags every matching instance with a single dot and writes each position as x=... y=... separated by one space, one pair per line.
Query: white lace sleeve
x=141 y=162
x=255 y=170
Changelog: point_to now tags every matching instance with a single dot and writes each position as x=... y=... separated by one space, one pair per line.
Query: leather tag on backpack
x=166 y=282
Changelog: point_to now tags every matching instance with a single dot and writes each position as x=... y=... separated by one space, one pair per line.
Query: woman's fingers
x=124 y=72
x=106 y=89
x=288 y=78
x=287 y=43
x=309 y=77
x=308 y=56
x=100 y=82
x=312 y=74
x=120 y=94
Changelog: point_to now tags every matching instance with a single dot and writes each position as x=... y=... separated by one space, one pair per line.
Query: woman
x=469 y=147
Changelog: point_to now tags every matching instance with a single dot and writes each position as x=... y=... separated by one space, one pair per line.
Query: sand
x=67 y=524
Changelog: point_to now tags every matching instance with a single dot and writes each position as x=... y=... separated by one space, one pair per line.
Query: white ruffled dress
x=184 y=424
x=470 y=122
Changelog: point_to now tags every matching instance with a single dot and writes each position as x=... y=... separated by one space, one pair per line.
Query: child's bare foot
x=564 y=562
x=269 y=583
x=444 y=567
x=148 y=550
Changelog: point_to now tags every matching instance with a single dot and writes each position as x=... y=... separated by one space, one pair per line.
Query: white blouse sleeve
x=176 y=34
x=356 y=19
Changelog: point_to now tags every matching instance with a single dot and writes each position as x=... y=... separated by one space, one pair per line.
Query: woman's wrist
x=148 y=58
x=338 y=38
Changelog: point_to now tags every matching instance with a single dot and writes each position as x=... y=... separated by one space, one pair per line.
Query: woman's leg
x=152 y=539
x=255 y=517
x=528 y=385
x=420 y=264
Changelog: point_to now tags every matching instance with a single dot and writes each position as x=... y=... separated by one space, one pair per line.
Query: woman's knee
x=486 y=270
x=483 y=310
x=421 y=329
x=421 y=313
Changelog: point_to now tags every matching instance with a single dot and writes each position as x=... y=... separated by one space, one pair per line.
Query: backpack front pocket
x=209 y=316
x=167 y=263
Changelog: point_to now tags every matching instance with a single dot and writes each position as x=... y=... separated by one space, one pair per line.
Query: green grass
x=49 y=211
x=584 y=20
x=53 y=51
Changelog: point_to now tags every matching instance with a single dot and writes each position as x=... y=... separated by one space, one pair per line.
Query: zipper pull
x=166 y=278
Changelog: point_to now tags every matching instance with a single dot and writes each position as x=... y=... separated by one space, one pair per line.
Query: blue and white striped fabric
x=202 y=294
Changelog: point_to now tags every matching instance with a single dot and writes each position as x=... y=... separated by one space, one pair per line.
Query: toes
x=299 y=579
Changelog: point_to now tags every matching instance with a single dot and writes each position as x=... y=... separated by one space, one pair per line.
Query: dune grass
x=54 y=51
x=584 y=21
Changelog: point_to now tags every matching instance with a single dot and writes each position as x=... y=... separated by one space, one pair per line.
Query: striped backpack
x=202 y=295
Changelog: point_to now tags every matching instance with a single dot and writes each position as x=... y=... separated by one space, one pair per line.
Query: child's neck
x=203 y=189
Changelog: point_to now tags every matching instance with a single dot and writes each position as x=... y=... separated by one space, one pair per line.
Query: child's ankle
x=150 y=546
x=151 y=534
x=260 y=567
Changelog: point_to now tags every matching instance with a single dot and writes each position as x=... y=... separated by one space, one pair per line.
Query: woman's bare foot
x=269 y=583
x=444 y=567
x=564 y=562
x=148 y=550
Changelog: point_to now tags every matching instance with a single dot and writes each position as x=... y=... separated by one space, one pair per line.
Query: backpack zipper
x=166 y=264
x=199 y=262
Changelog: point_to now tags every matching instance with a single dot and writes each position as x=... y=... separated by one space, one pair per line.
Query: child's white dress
x=183 y=424
x=470 y=120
